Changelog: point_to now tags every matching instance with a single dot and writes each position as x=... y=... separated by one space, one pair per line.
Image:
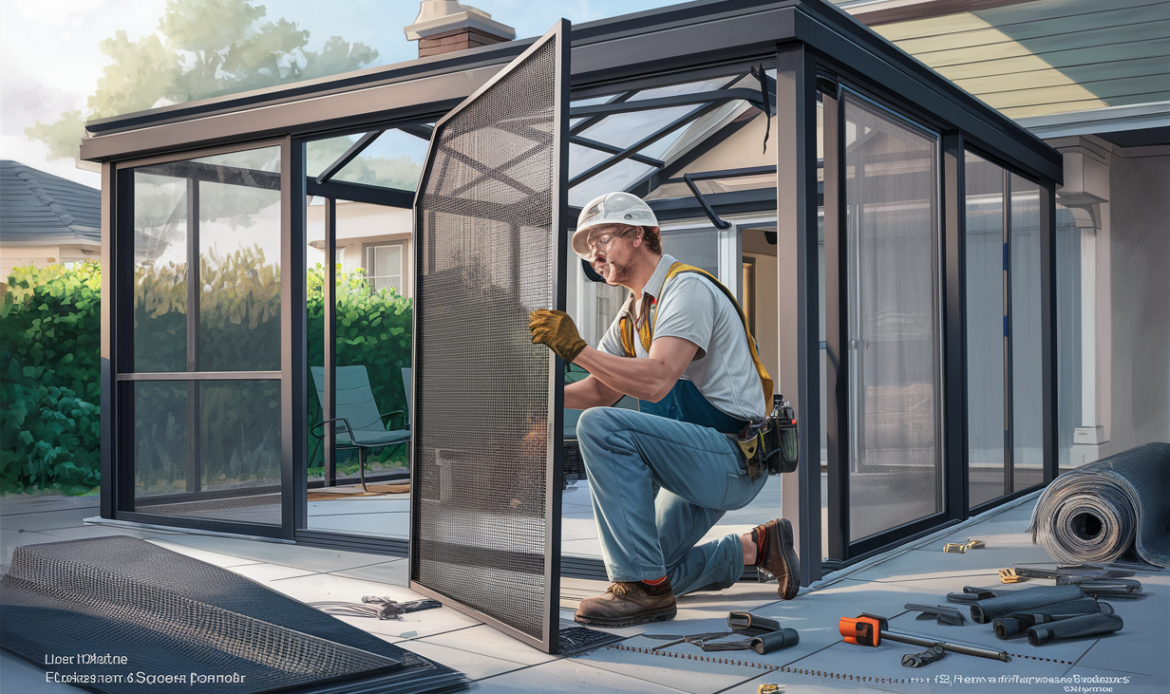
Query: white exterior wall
x=43 y=256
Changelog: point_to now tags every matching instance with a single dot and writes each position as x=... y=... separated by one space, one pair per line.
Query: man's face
x=613 y=249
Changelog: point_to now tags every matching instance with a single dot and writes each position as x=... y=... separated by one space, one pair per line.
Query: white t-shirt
x=699 y=312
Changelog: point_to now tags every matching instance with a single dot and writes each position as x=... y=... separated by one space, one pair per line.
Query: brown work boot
x=627 y=604
x=774 y=554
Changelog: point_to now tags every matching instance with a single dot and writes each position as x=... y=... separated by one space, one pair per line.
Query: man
x=662 y=477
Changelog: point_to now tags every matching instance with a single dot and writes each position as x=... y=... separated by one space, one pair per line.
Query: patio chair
x=361 y=425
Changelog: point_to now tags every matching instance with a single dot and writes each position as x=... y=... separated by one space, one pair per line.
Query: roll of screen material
x=1016 y=623
x=1075 y=628
x=985 y=611
x=1097 y=513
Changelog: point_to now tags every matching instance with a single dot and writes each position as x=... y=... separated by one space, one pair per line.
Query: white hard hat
x=611 y=208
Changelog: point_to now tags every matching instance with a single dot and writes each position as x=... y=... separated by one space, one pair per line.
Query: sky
x=50 y=55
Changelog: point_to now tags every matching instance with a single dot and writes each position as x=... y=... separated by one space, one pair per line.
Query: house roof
x=1042 y=58
x=40 y=209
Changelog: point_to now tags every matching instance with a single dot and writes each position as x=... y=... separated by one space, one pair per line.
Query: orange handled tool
x=865 y=630
x=869 y=630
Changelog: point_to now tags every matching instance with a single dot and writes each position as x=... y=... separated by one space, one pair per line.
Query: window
x=384 y=267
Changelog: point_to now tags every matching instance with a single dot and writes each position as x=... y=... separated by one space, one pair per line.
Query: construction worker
x=662 y=477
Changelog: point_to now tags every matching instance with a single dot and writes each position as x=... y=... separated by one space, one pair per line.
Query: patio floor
x=1134 y=658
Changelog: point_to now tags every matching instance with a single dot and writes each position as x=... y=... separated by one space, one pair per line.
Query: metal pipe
x=927 y=642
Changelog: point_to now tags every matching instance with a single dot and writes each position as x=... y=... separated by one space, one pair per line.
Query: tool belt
x=771 y=444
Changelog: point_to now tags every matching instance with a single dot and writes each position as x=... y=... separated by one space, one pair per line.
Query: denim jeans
x=646 y=535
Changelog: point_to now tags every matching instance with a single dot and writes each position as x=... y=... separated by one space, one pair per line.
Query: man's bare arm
x=590 y=392
x=645 y=379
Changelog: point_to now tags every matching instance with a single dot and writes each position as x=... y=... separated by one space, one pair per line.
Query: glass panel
x=372 y=348
x=698 y=247
x=895 y=473
x=160 y=273
x=239 y=255
x=620 y=176
x=1069 y=378
x=986 y=341
x=1026 y=326
x=315 y=263
x=624 y=129
x=208 y=449
x=393 y=160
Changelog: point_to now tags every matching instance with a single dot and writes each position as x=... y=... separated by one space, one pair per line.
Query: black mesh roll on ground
x=173 y=616
x=1097 y=513
x=984 y=611
x=1075 y=628
x=1016 y=623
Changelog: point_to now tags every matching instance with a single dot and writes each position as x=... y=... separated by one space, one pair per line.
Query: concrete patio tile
x=1140 y=646
x=45 y=520
x=885 y=661
x=224 y=561
x=331 y=587
x=487 y=641
x=52 y=503
x=309 y=558
x=375 y=524
x=933 y=563
x=474 y=664
x=395 y=572
x=578 y=528
x=87 y=531
x=268 y=573
x=582 y=548
x=568 y=676
x=694 y=676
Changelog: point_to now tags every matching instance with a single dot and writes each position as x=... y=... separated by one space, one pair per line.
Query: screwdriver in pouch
x=869 y=630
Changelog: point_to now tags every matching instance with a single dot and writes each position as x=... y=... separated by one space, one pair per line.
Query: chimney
x=443 y=26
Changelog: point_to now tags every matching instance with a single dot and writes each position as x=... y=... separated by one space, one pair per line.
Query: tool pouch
x=781 y=438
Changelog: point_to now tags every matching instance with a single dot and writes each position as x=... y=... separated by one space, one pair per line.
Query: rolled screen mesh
x=170 y=614
x=486 y=259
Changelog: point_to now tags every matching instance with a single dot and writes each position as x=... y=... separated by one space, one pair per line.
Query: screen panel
x=485 y=492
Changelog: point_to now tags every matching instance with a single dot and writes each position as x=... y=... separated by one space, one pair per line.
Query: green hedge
x=50 y=391
x=50 y=356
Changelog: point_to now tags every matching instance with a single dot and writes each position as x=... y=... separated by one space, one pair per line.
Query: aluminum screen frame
x=540 y=611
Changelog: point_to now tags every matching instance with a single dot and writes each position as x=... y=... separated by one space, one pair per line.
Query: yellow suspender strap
x=646 y=331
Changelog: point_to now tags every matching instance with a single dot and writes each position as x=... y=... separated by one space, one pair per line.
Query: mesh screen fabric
x=171 y=614
x=984 y=611
x=1125 y=493
x=485 y=261
x=1075 y=628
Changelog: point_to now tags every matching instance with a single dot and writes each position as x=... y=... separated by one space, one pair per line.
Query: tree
x=203 y=49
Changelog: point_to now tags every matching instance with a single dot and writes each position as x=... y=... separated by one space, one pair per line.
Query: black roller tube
x=984 y=611
x=1016 y=623
x=1080 y=627
x=775 y=640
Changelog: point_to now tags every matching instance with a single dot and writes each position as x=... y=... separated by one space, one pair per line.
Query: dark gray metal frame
x=809 y=40
x=549 y=641
x=118 y=340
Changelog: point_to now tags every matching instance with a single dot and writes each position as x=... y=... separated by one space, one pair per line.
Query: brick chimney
x=443 y=26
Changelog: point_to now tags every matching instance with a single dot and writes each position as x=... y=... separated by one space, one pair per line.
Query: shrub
x=50 y=330
x=49 y=437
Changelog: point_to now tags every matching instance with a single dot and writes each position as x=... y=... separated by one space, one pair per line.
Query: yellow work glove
x=555 y=330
